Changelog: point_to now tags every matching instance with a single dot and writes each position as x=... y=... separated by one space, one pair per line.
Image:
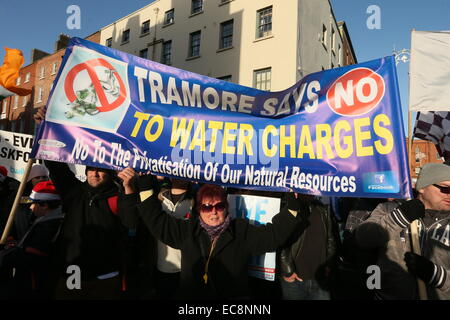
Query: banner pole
x=15 y=206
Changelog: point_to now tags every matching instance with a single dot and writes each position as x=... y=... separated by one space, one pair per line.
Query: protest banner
x=15 y=149
x=336 y=133
x=259 y=210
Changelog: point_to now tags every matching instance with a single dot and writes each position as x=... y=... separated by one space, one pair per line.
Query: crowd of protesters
x=124 y=235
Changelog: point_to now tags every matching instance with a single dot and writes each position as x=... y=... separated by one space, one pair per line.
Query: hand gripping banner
x=337 y=132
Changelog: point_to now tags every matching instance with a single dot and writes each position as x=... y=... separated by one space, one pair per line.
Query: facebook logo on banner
x=381 y=182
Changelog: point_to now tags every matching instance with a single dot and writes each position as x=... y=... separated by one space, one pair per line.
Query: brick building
x=17 y=112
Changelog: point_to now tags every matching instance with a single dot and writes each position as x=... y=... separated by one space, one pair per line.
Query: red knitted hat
x=44 y=191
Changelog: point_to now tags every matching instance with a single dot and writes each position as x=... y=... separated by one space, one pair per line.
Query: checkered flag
x=434 y=127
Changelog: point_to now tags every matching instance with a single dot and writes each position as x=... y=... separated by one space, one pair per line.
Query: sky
x=27 y=24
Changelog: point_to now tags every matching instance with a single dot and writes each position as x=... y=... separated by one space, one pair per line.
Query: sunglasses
x=442 y=189
x=220 y=206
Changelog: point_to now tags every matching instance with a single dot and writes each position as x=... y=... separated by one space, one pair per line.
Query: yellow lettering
x=140 y=118
x=343 y=125
x=287 y=140
x=148 y=129
x=215 y=126
x=180 y=130
x=228 y=136
x=323 y=137
x=245 y=139
x=306 y=145
x=360 y=136
x=383 y=133
x=199 y=138
x=269 y=152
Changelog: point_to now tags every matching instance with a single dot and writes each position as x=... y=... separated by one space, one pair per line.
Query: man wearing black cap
x=94 y=231
x=387 y=230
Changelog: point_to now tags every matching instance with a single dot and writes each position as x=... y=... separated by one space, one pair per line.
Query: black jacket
x=92 y=235
x=289 y=254
x=228 y=267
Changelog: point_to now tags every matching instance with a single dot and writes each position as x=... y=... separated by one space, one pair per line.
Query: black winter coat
x=228 y=266
x=92 y=236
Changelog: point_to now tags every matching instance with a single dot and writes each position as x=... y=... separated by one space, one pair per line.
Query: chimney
x=62 y=42
x=37 y=54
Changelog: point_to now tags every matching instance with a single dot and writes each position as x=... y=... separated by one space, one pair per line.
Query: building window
x=27 y=77
x=194 y=44
x=4 y=106
x=40 y=95
x=145 y=28
x=42 y=73
x=169 y=17
x=261 y=78
x=264 y=22
x=333 y=41
x=225 y=78
x=417 y=153
x=324 y=36
x=109 y=42
x=167 y=53
x=197 y=6
x=226 y=34
x=24 y=101
x=126 y=36
x=54 y=66
x=143 y=53
x=339 y=55
x=18 y=81
x=16 y=102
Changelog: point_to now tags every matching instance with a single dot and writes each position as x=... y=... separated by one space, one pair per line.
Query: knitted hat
x=37 y=171
x=44 y=191
x=432 y=173
x=3 y=173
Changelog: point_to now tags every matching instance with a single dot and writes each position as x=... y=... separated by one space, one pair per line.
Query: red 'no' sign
x=89 y=66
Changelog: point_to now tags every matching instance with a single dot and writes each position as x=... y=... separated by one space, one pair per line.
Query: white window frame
x=54 y=67
x=191 y=35
x=192 y=7
x=166 y=15
x=142 y=27
x=18 y=81
x=324 y=36
x=27 y=77
x=261 y=22
x=42 y=73
x=40 y=94
x=110 y=44
x=24 y=101
x=16 y=102
x=123 y=35
x=258 y=83
x=4 y=107
x=164 y=53
x=223 y=36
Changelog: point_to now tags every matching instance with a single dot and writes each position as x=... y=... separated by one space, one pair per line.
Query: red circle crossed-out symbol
x=89 y=66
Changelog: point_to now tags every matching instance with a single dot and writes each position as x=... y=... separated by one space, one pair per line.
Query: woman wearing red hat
x=30 y=258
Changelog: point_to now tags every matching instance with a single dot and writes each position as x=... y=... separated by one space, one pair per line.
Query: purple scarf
x=216 y=231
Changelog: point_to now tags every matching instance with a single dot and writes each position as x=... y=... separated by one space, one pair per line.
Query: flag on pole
x=434 y=127
x=9 y=72
x=429 y=85
x=430 y=71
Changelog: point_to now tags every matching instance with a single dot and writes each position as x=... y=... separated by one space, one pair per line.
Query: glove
x=293 y=203
x=425 y=269
x=146 y=182
x=408 y=212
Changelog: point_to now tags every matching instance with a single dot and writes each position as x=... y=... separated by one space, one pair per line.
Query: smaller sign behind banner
x=259 y=210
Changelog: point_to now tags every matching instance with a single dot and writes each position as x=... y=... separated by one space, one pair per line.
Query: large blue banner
x=337 y=132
